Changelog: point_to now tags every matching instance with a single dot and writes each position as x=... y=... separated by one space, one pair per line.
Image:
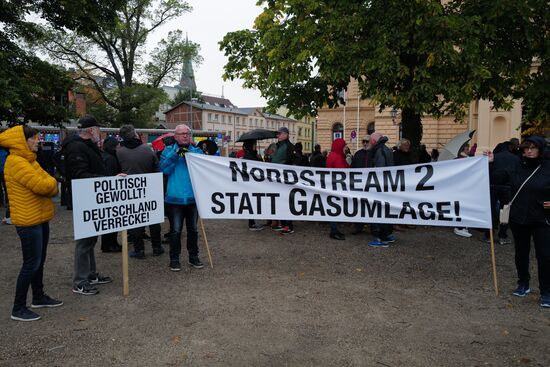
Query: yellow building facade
x=361 y=116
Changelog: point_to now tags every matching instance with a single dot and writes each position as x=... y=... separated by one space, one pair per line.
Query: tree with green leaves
x=31 y=88
x=422 y=57
x=118 y=54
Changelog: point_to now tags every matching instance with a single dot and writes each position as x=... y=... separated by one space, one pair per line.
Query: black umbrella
x=258 y=134
x=211 y=146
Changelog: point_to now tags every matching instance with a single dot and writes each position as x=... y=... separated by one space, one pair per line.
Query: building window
x=300 y=132
x=223 y=119
x=229 y=119
x=216 y=117
x=237 y=120
x=371 y=128
x=337 y=131
x=209 y=117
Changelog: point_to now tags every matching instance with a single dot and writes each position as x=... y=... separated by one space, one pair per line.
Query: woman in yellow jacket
x=30 y=190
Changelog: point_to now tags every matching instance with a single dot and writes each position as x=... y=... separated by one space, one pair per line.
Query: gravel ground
x=273 y=300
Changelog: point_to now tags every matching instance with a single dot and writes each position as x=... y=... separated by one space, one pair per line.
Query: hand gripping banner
x=450 y=193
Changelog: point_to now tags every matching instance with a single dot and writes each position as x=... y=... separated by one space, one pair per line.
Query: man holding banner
x=180 y=197
x=83 y=160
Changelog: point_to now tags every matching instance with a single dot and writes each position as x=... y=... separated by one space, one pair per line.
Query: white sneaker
x=6 y=220
x=463 y=232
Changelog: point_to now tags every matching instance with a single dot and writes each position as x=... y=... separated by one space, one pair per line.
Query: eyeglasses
x=531 y=148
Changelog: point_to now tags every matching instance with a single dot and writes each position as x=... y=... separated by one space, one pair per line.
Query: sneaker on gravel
x=463 y=232
x=286 y=230
x=175 y=265
x=504 y=241
x=378 y=243
x=100 y=280
x=389 y=239
x=24 y=314
x=196 y=263
x=255 y=227
x=85 y=289
x=545 y=301
x=522 y=290
x=46 y=301
x=277 y=228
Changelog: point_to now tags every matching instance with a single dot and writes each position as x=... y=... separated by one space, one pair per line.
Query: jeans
x=137 y=236
x=34 y=244
x=190 y=214
x=522 y=240
x=84 y=261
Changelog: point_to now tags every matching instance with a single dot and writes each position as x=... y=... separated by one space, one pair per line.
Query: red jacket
x=337 y=158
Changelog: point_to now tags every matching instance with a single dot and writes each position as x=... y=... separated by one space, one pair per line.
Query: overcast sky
x=206 y=25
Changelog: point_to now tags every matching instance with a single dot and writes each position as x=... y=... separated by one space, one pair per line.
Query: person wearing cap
x=83 y=160
x=136 y=158
x=530 y=216
x=284 y=155
x=360 y=157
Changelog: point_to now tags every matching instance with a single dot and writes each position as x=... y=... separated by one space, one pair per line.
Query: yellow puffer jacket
x=30 y=188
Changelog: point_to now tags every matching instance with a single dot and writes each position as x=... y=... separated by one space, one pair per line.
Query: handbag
x=504 y=215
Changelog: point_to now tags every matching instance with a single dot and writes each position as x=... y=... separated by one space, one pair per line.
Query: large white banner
x=111 y=204
x=450 y=193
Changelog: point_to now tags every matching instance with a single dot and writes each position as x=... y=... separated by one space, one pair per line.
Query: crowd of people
x=519 y=175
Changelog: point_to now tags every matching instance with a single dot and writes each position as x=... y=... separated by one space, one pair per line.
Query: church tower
x=187 y=79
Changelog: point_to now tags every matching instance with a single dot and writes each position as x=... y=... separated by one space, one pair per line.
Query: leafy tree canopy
x=422 y=56
x=118 y=53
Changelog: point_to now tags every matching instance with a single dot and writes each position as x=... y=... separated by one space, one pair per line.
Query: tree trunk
x=412 y=127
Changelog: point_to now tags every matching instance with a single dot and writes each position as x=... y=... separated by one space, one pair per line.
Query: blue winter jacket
x=179 y=189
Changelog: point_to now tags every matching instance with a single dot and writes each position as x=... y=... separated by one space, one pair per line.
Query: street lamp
x=393 y=114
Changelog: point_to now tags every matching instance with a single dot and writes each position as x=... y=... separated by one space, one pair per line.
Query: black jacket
x=317 y=159
x=527 y=207
x=112 y=168
x=82 y=158
x=503 y=167
x=402 y=158
x=360 y=159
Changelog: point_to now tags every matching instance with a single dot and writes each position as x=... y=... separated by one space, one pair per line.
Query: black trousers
x=381 y=230
x=500 y=196
x=137 y=236
x=522 y=239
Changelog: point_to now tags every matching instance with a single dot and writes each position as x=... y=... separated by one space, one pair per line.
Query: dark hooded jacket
x=503 y=166
x=527 y=207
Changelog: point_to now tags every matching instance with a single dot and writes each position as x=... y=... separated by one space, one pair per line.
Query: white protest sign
x=450 y=193
x=111 y=204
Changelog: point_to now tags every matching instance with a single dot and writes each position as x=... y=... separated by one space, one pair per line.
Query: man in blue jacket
x=179 y=195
